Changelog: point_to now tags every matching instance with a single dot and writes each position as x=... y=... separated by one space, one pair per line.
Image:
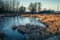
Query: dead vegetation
x=52 y=20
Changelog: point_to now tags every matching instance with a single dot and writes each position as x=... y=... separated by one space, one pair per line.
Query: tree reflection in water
x=27 y=26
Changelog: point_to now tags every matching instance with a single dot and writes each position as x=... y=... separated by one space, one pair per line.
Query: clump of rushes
x=14 y=27
x=2 y=35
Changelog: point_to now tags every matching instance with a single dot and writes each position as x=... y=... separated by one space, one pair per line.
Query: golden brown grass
x=52 y=20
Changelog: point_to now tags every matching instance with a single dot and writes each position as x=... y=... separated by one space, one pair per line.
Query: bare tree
x=13 y=5
x=7 y=6
x=17 y=5
x=31 y=7
x=35 y=7
x=22 y=9
x=39 y=6
x=1 y=5
x=10 y=5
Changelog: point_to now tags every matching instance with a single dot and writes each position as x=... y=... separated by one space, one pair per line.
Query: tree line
x=13 y=6
x=8 y=5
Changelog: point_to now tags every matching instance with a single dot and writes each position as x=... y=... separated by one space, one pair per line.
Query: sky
x=48 y=4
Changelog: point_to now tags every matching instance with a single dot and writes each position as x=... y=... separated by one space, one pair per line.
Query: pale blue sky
x=48 y=4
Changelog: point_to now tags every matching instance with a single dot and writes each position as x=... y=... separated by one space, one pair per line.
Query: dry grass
x=52 y=20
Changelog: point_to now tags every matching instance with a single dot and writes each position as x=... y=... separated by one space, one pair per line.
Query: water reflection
x=7 y=22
